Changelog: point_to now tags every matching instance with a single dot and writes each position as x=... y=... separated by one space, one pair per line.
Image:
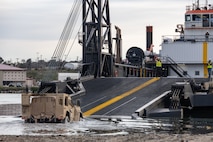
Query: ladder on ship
x=177 y=68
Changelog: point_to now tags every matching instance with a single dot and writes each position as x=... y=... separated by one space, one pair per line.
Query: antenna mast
x=198 y=4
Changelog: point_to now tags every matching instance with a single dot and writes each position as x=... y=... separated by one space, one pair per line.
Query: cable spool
x=135 y=56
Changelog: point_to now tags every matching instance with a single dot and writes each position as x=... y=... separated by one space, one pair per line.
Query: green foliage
x=17 y=89
x=34 y=89
x=47 y=75
x=42 y=75
x=12 y=89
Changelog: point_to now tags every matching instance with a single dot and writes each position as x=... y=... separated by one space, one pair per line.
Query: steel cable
x=66 y=34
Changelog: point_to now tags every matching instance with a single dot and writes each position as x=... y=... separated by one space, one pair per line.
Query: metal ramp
x=102 y=90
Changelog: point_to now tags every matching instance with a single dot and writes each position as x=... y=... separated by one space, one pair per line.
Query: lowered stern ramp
x=121 y=96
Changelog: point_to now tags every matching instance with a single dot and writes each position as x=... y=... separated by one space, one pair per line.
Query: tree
x=28 y=64
x=1 y=60
x=23 y=61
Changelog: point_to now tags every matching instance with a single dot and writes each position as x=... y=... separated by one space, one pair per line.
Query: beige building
x=10 y=75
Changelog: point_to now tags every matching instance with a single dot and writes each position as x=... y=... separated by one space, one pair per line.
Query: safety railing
x=176 y=68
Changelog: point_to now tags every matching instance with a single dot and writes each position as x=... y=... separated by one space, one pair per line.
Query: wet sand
x=137 y=137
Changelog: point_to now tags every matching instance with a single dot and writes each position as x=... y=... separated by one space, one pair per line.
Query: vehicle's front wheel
x=78 y=103
x=66 y=119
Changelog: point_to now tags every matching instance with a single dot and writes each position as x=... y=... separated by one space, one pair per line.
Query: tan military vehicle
x=53 y=103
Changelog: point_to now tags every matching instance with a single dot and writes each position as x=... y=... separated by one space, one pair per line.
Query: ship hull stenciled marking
x=113 y=100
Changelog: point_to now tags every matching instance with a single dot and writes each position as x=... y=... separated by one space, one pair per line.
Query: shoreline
x=136 y=137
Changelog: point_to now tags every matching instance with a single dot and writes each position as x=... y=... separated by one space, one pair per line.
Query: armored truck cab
x=53 y=102
x=49 y=107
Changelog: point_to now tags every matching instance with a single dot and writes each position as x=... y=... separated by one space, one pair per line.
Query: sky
x=31 y=28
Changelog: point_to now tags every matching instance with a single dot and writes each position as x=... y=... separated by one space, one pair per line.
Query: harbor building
x=12 y=76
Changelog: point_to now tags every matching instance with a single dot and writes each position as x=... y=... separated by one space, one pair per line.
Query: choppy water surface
x=10 y=125
x=14 y=125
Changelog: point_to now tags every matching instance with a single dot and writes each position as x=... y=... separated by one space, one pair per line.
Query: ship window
x=196 y=17
x=197 y=73
x=205 y=20
x=188 y=18
x=211 y=20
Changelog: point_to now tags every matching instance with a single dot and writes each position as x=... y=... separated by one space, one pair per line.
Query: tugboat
x=192 y=47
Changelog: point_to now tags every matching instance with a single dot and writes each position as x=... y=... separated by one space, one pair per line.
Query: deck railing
x=186 y=38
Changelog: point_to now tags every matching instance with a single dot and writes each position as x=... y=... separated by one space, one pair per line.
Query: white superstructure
x=193 y=47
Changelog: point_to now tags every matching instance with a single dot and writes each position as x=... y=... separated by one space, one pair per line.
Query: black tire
x=54 y=120
x=31 y=120
x=67 y=119
x=81 y=115
x=78 y=103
